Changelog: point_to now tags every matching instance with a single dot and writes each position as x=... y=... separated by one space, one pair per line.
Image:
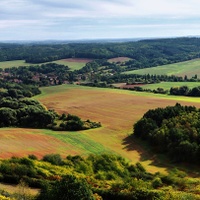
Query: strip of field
x=119 y=59
x=164 y=85
x=15 y=63
x=189 y=68
x=117 y=110
x=73 y=64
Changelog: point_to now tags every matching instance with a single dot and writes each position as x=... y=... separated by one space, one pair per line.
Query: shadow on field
x=132 y=143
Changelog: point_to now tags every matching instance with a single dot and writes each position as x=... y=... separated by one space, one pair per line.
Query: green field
x=73 y=65
x=79 y=141
x=15 y=63
x=189 y=68
x=168 y=85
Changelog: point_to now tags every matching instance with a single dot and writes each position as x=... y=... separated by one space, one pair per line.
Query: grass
x=17 y=189
x=73 y=64
x=189 y=68
x=168 y=85
x=15 y=63
x=79 y=141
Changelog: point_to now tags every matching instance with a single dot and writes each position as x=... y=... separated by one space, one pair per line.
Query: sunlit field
x=189 y=68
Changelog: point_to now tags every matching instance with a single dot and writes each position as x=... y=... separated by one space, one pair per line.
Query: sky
x=97 y=19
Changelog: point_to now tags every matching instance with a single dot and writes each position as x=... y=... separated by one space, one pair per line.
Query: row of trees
x=173 y=131
x=30 y=113
x=185 y=91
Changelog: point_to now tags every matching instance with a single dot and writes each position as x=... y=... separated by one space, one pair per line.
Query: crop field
x=189 y=68
x=117 y=110
x=119 y=59
x=73 y=63
x=164 y=85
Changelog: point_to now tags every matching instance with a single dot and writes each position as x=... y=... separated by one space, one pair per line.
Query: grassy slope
x=15 y=63
x=117 y=110
x=72 y=65
x=168 y=85
x=189 y=68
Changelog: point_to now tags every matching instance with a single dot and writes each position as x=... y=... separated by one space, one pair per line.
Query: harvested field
x=80 y=60
x=119 y=59
x=127 y=86
x=23 y=142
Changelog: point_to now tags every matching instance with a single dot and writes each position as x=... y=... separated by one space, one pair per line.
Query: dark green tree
x=68 y=188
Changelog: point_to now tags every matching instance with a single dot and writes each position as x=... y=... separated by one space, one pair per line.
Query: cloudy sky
x=92 y=19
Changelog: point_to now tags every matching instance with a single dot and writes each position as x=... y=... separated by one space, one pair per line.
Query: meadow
x=164 y=85
x=189 y=68
x=73 y=64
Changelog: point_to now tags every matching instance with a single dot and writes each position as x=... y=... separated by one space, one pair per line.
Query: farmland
x=117 y=116
x=164 y=85
x=73 y=64
x=189 y=68
x=117 y=110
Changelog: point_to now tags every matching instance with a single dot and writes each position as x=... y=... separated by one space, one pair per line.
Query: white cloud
x=81 y=18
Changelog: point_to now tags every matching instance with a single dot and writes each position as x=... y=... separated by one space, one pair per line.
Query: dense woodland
x=174 y=131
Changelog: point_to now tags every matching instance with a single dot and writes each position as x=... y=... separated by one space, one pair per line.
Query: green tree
x=68 y=188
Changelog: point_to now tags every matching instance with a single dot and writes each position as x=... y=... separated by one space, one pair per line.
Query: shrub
x=54 y=159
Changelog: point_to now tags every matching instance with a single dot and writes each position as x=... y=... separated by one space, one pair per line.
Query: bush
x=69 y=188
x=54 y=159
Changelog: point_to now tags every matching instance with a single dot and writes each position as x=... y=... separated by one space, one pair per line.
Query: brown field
x=125 y=86
x=78 y=60
x=119 y=59
x=117 y=110
x=22 y=142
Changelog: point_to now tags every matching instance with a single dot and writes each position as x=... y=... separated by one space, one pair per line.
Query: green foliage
x=172 y=130
x=69 y=187
x=54 y=159
x=25 y=112
x=109 y=176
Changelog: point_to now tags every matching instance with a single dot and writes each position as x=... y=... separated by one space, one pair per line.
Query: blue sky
x=95 y=19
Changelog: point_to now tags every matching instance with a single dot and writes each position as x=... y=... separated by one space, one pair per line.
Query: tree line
x=30 y=113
